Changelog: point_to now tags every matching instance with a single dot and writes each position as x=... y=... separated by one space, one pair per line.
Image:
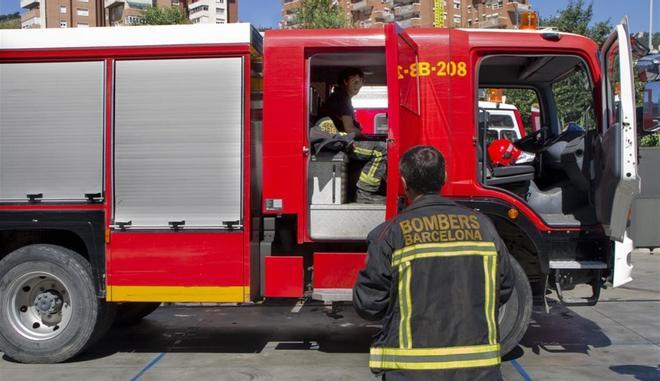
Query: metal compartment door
x=51 y=131
x=179 y=143
x=403 y=98
x=617 y=182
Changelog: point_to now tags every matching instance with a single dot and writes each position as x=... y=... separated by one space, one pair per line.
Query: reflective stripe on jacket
x=435 y=275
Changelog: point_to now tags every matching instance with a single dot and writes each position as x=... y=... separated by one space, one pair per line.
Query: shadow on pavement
x=640 y=372
x=562 y=331
x=242 y=329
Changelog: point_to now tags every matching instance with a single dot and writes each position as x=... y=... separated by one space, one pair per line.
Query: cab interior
x=557 y=184
x=333 y=213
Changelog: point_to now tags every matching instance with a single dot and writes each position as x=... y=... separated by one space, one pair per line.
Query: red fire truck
x=173 y=164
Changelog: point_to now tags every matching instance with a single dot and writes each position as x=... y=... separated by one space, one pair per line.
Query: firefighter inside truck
x=557 y=183
x=332 y=177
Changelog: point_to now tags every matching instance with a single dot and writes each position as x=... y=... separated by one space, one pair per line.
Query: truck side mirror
x=651 y=109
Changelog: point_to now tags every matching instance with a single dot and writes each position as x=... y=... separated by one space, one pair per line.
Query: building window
x=219 y=10
x=220 y=1
x=82 y=12
x=63 y=24
x=199 y=9
x=457 y=20
x=62 y=8
x=82 y=25
x=84 y=1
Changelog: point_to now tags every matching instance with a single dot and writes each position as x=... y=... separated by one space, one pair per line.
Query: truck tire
x=514 y=315
x=49 y=309
x=107 y=315
x=132 y=313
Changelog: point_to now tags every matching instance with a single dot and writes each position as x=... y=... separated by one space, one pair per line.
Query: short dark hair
x=423 y=168
x=347 y=73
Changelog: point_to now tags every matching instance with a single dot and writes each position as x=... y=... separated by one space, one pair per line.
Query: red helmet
x=502 y=152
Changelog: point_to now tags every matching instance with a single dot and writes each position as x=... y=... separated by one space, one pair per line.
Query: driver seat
x=510 y=174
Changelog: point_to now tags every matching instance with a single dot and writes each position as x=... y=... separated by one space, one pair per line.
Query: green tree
x=652 y=140
x=575 y=18
x=643 y=37
x=164 y=16
x=321 y=14
x=523 y=99
x=10 y=21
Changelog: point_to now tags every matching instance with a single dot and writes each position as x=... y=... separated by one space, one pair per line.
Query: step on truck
x=156 y=164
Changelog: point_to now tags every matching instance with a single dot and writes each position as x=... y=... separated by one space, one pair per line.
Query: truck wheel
x=515 y=314
x=48 y=304
x=132 y=313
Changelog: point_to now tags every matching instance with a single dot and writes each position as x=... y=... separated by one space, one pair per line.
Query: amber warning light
x=495 y=95
x=529 y=20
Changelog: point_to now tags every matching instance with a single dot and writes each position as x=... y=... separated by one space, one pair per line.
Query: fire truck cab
x=173 y=164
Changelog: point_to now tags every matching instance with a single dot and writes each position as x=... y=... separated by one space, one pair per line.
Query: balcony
x=112 y=3
x=414 y=22
x=383 y=16
x=359 y=5
x=32 y=13
x=407 y=16
x=493 y=23
x=365 y=23
x=406 y=10
x=31 y=23
x=29 y=3
x=404 y=2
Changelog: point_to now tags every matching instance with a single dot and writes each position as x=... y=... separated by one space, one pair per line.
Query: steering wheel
x=532 y=142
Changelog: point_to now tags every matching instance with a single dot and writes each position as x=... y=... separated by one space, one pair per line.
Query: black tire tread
x=522 y=315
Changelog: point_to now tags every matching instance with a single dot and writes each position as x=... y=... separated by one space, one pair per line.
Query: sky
x=267 y=13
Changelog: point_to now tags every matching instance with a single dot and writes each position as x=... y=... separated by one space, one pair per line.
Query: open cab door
x=403 y=99
x=334 y=211
x=616 y=179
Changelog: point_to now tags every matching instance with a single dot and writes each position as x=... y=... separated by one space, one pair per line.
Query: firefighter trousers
x=373 y=172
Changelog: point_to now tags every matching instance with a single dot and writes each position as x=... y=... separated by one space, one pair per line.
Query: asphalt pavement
x=618 y=339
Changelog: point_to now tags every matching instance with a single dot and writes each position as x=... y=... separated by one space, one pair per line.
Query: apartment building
x=499 y=14
x=86 y=13
x=213 y=11
x=131 y=12
x=62 y=13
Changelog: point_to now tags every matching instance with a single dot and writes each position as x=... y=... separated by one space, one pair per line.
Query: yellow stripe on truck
x=233 y=294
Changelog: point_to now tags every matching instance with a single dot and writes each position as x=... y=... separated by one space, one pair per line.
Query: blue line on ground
x=521 y=370
x=148 y=366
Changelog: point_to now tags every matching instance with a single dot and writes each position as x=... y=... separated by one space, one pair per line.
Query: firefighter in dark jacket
x=435 y=275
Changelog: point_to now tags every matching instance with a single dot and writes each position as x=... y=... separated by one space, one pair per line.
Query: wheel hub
x=39 y=305
x=48 y=303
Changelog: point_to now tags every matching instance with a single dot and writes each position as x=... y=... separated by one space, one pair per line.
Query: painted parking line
x=148 y=366
x=520 y=370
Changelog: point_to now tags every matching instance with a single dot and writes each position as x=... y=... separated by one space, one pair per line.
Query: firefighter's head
x=422 y=171
x=351 y=80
